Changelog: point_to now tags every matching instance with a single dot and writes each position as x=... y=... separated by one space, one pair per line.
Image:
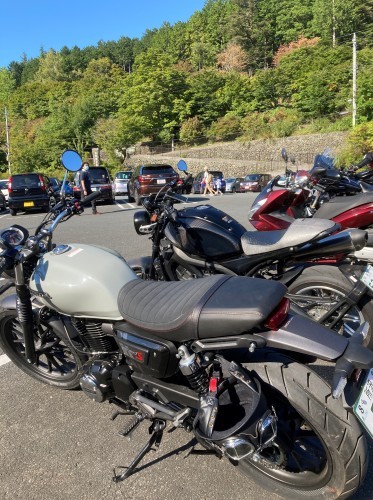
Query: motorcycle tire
x=320 y=450
x=328 y=281
x=58 y=363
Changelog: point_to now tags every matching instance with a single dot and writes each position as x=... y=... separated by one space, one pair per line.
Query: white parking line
x=4 y=359
x=123 y=207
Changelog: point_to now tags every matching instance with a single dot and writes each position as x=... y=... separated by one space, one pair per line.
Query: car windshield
x=157 y=169
x=123 y=175
x=252 y=177
x=231 y=179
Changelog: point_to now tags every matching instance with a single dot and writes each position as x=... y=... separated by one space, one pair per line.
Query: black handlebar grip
x=368 y=158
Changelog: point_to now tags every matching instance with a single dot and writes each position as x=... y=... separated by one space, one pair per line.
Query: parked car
x=56 y=186
x=148 y=179
x=196 y=187
x=68 y=188
x=30 y=191
x=233 y=184
x=121 y=181
x=101 y=180
x=4 y=188
x=255 y=182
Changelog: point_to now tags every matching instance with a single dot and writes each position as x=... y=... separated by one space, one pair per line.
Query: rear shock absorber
x=190 y=367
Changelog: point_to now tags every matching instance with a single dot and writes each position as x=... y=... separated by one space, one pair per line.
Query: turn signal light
x=278 y=316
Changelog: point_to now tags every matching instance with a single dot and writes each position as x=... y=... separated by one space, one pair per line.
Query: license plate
x=28 y=203
x=367 y=277
x=94 y=189
x=363 y=407
x=161 y=181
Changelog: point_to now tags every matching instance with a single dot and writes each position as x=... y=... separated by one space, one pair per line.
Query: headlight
x=256 y=207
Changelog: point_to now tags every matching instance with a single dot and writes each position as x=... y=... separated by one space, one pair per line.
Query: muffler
x=339 y=243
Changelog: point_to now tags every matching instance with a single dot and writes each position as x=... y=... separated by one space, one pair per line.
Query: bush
x=280 y=122
x=226 y=128
x=359 y=142
x=191 y=131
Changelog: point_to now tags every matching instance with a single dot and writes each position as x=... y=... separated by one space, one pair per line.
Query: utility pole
x=333 y=22
x=7 y=140
x=354 y=74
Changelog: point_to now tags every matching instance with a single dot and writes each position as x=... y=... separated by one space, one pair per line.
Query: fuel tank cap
x=61 y=249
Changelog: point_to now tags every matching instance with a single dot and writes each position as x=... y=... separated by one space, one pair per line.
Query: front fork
x=24 y=312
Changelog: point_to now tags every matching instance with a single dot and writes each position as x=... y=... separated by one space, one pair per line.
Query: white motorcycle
x=223 y=358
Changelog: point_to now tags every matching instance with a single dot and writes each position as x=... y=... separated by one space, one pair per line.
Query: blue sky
x=29 y=25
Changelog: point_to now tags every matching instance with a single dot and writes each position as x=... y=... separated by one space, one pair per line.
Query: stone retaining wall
x=236 y=159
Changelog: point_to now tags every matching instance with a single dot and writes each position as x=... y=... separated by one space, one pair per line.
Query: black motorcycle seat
x=340 y=204
x=299 y=232
x=216 y=306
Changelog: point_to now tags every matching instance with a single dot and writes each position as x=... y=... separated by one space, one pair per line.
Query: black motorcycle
x=222 y=358
x=200 y=241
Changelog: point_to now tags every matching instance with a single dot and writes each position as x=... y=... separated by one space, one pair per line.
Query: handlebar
x=368 y=158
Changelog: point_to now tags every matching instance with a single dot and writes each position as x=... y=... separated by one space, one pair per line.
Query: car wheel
x=131 y=199
x=12 y=212
x=137 y=198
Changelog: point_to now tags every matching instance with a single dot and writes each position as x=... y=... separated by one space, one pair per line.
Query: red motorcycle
x=322 y=193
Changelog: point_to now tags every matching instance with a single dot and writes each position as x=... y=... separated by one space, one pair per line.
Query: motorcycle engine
x=97 y=382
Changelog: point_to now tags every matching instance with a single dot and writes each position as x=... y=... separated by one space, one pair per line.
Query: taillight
x=278 y=316
x=141 y=178
x=10 y=190
x=42 y=185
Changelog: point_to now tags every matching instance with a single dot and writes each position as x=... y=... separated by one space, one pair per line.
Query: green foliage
x=191 y=131
x=280 y=122
x=225 y=129
x=213 y=73
x=359 y=142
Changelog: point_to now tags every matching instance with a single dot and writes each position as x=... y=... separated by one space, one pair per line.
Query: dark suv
x=30 y=191
x=100 y=179
x=148 y=179
x=196 y=187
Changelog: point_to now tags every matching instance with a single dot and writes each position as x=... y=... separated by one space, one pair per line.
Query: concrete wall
x=237 y=158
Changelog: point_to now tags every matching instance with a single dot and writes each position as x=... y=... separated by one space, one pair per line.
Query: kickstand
x=156 y=431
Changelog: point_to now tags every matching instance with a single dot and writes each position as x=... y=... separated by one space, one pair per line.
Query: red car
x=254 y=182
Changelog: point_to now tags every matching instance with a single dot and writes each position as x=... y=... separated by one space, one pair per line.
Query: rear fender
x=305 y=336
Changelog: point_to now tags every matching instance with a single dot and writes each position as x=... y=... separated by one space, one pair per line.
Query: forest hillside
x=238 y=70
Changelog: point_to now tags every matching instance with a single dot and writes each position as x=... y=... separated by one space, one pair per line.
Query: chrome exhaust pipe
x=237 y=448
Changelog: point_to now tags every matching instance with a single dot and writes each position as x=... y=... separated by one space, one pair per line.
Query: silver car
x=120 y=182
x=4 y=188
x=232 y=185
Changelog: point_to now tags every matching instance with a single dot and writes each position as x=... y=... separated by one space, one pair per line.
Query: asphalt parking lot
x=58 y=444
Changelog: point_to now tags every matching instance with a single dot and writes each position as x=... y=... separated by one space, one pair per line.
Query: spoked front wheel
x=57 y=364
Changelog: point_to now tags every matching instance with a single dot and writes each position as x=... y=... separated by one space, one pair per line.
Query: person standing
x=208 y=178
x=85 y=185
x=217 y=186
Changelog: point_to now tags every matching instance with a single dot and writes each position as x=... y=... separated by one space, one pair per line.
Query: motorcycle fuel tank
x=81 y=280
x=204 y=230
